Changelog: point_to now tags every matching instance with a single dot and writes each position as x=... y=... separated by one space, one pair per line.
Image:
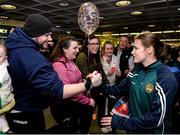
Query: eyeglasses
x=93 y=43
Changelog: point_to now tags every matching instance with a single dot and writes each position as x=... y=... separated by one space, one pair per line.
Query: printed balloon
x=88 y=17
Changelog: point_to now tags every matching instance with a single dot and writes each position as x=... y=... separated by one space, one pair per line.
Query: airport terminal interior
x=106 y=19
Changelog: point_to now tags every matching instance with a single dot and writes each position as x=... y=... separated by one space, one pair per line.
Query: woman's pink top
x=70 y=74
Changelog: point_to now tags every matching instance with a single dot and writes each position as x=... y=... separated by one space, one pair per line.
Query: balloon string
x=87 y=44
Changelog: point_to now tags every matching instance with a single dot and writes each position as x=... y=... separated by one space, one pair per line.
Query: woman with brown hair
x=80 y=106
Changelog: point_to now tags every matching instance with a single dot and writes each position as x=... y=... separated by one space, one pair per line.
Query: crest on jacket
x=149 y=88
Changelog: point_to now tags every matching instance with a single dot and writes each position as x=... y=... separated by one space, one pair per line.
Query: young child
x=6 y=97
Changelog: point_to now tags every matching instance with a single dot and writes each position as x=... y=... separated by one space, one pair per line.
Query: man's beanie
x=36 y=25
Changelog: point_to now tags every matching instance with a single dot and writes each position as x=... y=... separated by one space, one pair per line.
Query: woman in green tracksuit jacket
x=152 y=88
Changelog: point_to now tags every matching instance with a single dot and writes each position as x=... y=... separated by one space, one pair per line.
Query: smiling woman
x=81 y=105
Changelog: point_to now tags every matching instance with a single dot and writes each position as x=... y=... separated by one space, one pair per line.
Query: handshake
x=93 y=80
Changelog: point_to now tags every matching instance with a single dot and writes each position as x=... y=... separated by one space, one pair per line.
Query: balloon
x=88 y=17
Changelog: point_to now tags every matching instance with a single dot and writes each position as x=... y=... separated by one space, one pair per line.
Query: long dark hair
x=85 y=50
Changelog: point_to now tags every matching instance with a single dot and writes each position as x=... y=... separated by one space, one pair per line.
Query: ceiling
x=162 y=13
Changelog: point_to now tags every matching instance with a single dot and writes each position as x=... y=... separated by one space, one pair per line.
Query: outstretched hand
x=106 y=122
x=96 y=79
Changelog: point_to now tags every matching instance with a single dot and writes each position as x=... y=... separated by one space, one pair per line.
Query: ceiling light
x=68 y=32
x=157 y=32
x=134 y=33
x=105 y=35
x=123 y=3
x=151 y=25
x=124 y=34
x=136 y=13
x=105 y=26
x=58 y=26
x=98 y=35
x=64 y=4
x=125 y=28
x=178 y=31
x=169 y=40
x=168 y=31
x=174 y=39
x=115 y=34
x=179 y=9
x=7 y=7
x=101 y=17
x=3 y=17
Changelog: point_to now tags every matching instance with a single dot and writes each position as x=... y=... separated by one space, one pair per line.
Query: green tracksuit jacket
x=151 y=93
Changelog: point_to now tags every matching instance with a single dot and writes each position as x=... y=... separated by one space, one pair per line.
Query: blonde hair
x=103 y=47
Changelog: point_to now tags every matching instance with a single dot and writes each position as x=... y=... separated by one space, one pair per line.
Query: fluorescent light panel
x=136 y=33
x=123 y=3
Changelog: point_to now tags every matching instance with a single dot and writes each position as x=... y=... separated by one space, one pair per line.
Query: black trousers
x=67 y=114
x=26 y=122
x=100 y=100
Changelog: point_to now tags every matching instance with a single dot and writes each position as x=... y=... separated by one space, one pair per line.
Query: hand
x=96 y=79
x=51 y=44
x=118 y=73
x=106 y=121
x=92 y=102
x=111 y=70
x=88 y=94
x=94 y=73
x=90 y=75
x=126 y=71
